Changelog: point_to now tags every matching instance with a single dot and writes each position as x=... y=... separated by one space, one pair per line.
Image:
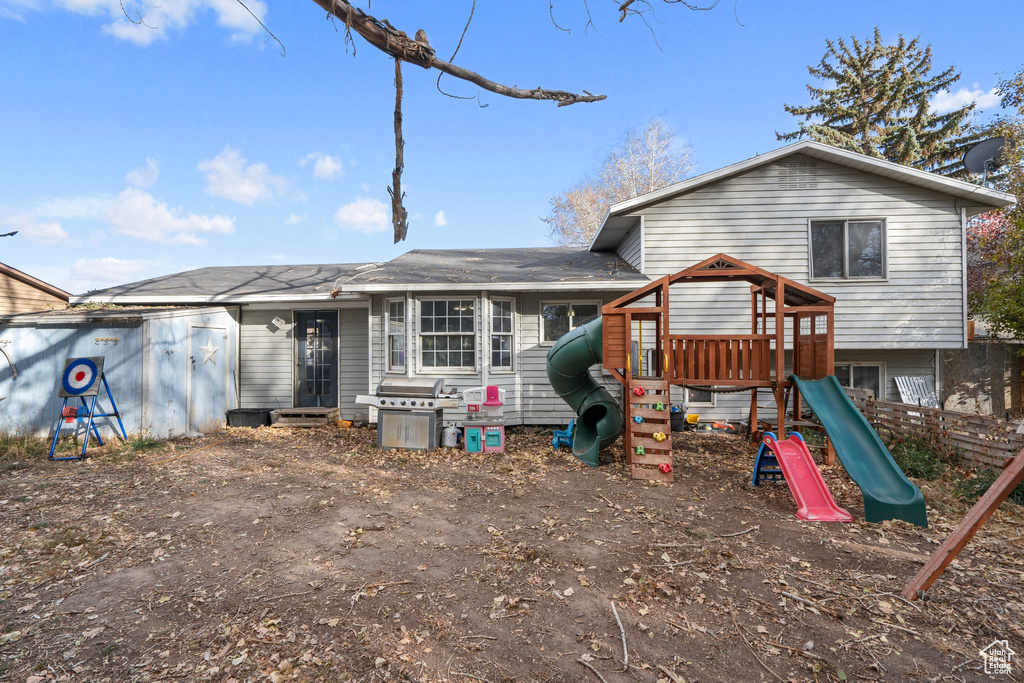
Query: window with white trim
x=502 y=335
x=699 y=397
x=448 y=333
x=396 y=334
x=847 y=249
x=557 y=318
x=861 y=376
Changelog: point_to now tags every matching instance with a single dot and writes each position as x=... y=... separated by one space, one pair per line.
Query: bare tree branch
x=385 y=37
x=472 y=10
x=398 y=213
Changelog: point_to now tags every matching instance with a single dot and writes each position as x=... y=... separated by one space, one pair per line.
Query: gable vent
x=798 y=175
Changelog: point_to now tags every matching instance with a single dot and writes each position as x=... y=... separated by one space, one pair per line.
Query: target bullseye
x=81 y=377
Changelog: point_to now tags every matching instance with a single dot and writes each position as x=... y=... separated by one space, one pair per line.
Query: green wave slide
x=599 y=420
x=888 y=494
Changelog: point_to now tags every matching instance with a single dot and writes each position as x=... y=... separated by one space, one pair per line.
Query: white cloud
x=294 y=219
x=138 y=214
x=40 y=232
x=325 y=166
x=440 y=220
x=142 y=22
x=107 y=271
x=364 y=214
x=946 y=101
x=227 y=176
x=144 y=176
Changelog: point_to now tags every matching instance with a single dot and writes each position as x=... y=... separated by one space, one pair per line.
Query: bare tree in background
x=647 y=160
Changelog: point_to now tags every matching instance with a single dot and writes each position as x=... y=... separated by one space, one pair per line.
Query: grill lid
x=414 y=387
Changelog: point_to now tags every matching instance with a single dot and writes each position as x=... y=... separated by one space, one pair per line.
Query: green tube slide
x=600 y=418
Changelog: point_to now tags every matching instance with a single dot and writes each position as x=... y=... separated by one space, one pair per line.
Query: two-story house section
x=888 y=241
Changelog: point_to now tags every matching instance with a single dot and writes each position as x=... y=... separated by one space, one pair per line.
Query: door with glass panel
x=316 y=359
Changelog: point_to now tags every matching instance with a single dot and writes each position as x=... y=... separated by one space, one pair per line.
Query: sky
x=184 y=139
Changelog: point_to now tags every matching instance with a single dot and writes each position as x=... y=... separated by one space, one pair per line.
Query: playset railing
x=721 y=360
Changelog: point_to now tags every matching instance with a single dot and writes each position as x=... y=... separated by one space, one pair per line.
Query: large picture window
x=448 y=333
x=558 y=318
x=859 y=376
x=396 y=334
x=501 y=334
x=847 y=249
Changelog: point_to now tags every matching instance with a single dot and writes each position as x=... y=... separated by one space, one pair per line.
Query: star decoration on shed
x=208 y=352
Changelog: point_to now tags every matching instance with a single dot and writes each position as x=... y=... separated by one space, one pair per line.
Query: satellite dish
x=984 y=157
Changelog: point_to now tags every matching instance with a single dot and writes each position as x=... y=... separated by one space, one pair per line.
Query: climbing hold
x=659 y=436
x=665 y=467
x=640 y=450
x=638 y=419
x=639 y=391
x=659 y=406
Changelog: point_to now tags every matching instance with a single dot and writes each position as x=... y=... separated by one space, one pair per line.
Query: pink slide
x=813 y=499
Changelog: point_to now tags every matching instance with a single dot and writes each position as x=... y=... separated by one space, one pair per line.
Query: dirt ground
x=309 y=555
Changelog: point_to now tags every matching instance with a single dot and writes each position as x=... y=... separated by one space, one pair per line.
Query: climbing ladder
x=648 y=455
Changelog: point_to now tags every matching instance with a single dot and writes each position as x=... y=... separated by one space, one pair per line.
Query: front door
x=316 y=359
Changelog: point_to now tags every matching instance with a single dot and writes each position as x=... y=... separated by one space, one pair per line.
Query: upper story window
x=846 y=249
x=448 y=333
x=558 y=318
x=396 y=334
x=501 y=334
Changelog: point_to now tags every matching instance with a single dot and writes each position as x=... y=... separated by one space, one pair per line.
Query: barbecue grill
x=410 y=411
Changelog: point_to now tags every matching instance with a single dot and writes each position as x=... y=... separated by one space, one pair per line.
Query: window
x=559 y=318
x=501 y=334
x=847 y=249
x=860 y=377
x=700 y=397
x=448 y=333
x=396 y=334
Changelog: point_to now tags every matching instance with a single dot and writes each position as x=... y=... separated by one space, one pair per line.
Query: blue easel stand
x=91 y=426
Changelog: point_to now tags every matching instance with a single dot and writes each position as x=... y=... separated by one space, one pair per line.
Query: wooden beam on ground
x=964 y=532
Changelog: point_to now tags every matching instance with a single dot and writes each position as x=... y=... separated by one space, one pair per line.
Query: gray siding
x=631 y=247
x=353 y=361
x=265 y=358
x=919 y=305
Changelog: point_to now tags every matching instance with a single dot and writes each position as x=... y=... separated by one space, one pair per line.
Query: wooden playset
x=786 y=317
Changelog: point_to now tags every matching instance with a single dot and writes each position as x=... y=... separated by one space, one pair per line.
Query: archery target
x=81 y=377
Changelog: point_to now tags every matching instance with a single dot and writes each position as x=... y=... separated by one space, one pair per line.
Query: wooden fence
x=983 y=439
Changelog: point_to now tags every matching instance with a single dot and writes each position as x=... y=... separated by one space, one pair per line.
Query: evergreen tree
x=878 y=103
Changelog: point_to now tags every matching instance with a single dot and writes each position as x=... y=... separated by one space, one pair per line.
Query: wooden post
x=969 y=526
x=780 y=352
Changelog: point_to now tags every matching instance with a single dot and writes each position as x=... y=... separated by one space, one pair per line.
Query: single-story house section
x=320 y=335
x=887 y=241
x=172 y=371
x=21 y=293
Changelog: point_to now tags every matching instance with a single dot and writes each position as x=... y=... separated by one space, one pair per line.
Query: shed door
x=316 y=359
x=207 y=378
